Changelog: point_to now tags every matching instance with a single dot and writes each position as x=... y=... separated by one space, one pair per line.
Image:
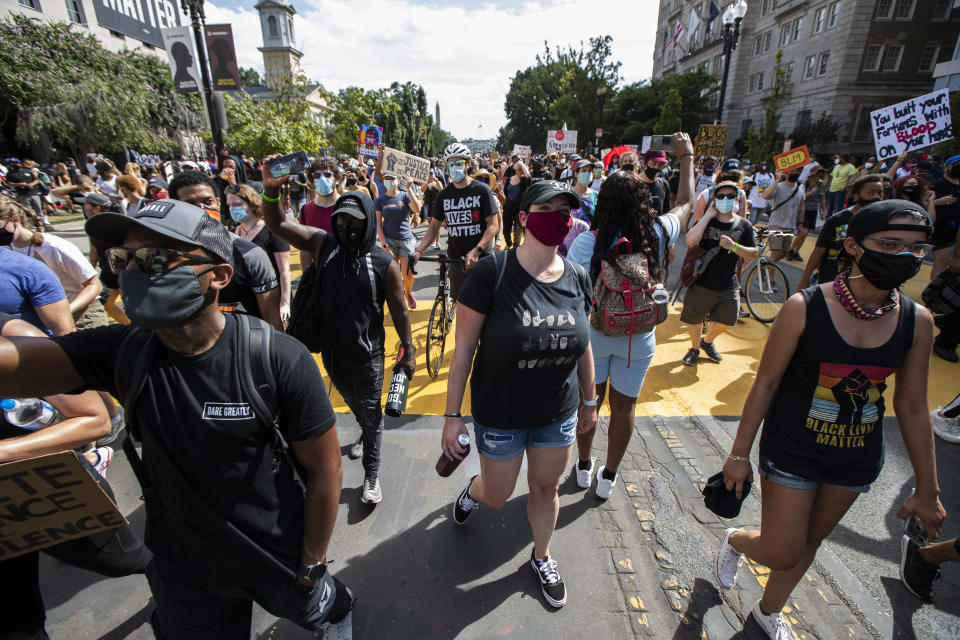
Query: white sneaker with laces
x=585 y=476
x=604 y=486
x=775 y=626
x=945 y=428
x=371 y=491
x=727 y=562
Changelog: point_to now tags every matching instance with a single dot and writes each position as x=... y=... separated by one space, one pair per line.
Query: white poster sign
x=912 y=124
x=561 y=141
x=521 y=150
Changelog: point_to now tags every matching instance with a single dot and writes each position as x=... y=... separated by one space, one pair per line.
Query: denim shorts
x=791 y=481
x=507 y=444
x=402 y=248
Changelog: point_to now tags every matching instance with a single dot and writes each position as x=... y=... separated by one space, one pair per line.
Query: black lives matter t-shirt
x=194 y=408
x=466 y=212
x=721 y=272
x=525 y=371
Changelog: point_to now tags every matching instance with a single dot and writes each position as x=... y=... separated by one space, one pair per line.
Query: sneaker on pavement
x=465 y=505
x=371 y=490
x=104 y=458
x=691 y=358
x=710 y=348
x=774 y=624
x=727 y=562
x=585 y=476
x=343 y=628
x=946 y=428
x=950 y=355
x=604 y=486
x=916 y=574
x=355 y=450
x=551 y=584
x=115 y=429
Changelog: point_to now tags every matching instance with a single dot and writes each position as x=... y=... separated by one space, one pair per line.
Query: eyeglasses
x=456 y=163
x=726 y=196
x=322 y=174
x=891 y=246
x=154 y=260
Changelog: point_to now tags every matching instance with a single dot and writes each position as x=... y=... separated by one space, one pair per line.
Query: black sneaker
x=355 y=450
x=948 y=354
x=916 y=574
x=465 y=505
x=551 y=584
x=711 y=350
x=691 y=358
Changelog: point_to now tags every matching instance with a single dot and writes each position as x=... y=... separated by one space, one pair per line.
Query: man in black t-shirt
x=654 y=162
x=26 y=184
x=470 y=211
x=228 y=519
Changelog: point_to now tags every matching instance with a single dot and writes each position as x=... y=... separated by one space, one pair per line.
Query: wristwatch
x=311 y=572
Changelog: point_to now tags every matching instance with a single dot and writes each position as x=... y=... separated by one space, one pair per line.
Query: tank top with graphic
x=825 y=422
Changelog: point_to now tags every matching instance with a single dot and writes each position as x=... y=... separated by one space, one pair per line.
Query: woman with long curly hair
x=916 y=190
x=625 y=210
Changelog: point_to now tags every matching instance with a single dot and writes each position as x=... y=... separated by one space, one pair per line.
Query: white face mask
x=724 y=205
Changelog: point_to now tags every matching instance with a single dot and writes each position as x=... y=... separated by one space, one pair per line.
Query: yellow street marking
x=637 y=603
x=626 y=564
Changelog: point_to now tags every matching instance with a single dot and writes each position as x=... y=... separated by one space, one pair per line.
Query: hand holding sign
x=912 y=124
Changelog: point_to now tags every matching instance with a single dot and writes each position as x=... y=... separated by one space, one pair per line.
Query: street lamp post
x=194 y=9
x=732 y=18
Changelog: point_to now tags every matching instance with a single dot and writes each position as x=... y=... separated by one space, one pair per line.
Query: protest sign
x=792 y=159
x=402 y=164
x=142 y=159
x=912 y=124
x=561 y=141
x=48 y=500
x=369 y=141
x=599 y=133
x=141 y=21
x=183 y=59
x=223 y=57
x=712 y=140
x=521 y=150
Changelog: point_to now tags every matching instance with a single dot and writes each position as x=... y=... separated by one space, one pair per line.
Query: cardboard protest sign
x=48 y=500
x=142 y=159
x=223 y=57
x=792 y=159
x=369 y=141
x=521 y=150
x=561 y=141
x=183 y=59
x=402 y=164
x=712 y=139
x=912 y=124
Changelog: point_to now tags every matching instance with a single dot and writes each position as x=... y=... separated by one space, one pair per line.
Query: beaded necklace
x=841 y=286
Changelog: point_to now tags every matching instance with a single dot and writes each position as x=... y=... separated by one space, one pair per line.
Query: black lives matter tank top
x=825 y=422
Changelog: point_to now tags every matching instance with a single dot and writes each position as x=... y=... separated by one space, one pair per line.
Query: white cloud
x=463 y=56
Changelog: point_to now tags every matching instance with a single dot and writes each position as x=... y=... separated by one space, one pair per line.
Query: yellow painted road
x=671 y=388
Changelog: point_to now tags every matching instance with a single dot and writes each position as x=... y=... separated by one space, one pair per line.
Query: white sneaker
x=604 y=486
x=727 y=562
x=946 y=428
x=774 y=625
x=585 y=476
x=371 y=490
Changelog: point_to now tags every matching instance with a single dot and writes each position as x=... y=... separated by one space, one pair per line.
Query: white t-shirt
x=108 y=186
x=65 y=260
x=597 y=183
x=704 y=182
x=92 y=169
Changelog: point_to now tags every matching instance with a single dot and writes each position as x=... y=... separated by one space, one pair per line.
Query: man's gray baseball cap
x=169 y=218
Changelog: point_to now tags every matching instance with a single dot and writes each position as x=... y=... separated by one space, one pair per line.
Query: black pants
x=360 y=382
x=511 y=212
x=949 y=336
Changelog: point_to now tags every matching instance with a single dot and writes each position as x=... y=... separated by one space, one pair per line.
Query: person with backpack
x=715 y=243
x=630 y=243
x=339 y=306
x=786 y=197
x=240 y=497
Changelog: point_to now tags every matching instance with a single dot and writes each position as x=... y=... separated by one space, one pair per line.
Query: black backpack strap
x=138 y=348
x=501 y=267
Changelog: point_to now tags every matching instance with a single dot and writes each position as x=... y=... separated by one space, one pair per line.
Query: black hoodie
x=352 y=291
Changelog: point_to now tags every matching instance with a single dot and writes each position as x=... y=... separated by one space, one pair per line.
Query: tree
x=250 y=77
x=354 y=106
x=62 y=88
x=766 y=142
x=281 y=125
x=634 y=111
x=669 y=120
x=817 y=134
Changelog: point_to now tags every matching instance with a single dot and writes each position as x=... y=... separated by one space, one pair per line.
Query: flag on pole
x=714 y=14
x=666 y=39
x=677 y=33
x=692 y=25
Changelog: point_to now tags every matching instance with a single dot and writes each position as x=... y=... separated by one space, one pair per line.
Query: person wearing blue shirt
x=29 y=290
x=394 y=209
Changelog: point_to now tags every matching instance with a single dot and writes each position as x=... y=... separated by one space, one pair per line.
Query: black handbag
x=942 y=295
x=721 y=500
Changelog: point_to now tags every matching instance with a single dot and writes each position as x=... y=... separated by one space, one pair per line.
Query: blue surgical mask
x=457 y=174
x=390 y=184
x=324 y=186
x=724 y=206
x=585 y=178
x=239 y=214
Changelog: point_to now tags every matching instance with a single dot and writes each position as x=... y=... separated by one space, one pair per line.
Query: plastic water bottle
x=31 y=414
x=659 y=295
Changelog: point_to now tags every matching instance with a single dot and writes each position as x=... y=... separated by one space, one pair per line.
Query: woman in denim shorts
x=524 y=313
x=394 y=209
x=819 y=391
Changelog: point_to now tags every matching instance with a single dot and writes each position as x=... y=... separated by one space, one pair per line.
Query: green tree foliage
x=280 y=125
x=64 y=89
x=635 y=110
x=669 y=120
x=355 y=106
x=818 y=134
x=250 y=77
x=766 y=142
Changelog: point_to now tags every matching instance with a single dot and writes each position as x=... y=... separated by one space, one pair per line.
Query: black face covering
x=793 y=177
x=6 y=237
x=651 y=172
x=911 y=191
x=954 y=171
x=888 y=271
x=348 y=237
x=861 y=202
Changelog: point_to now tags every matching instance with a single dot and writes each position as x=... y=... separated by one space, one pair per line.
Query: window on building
x=272 y=27
x=760 y=81
x=819 y=19
x=871 y=57
x=717 y=63
x=751 y=84
x=941 y=9
x=891 y=58
x=809 y=66
x=745 y=127
x=797 y=27
x=863 y=131
x=833 y=15
x=788 y=72
x=928 y=58
x=823 y=63
x=75 y=11
x=884 y=9
x=757 y=45
x=766 y=41
x=765 y=7
x=804 y=118
x=32 y=4
x=905 y=10
x=785 y=32
x=116 y=34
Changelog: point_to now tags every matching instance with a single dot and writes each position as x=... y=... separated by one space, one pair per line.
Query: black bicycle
x=441 y=315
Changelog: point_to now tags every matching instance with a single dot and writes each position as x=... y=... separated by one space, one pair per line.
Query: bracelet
x=736 y=247
x=268 y=198
x=684 y=155
x=453 y=414
x=591 y=403
x=738 y=458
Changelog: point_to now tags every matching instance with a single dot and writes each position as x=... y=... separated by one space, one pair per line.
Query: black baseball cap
x=876 y=216
x=731 y=165
x=584 y=164
x=171 y=219
x=159 y=183
x=350 y=207
x=97 y=199
x=546 y=190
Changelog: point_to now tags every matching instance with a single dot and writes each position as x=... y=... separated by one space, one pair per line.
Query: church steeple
x=280 y=56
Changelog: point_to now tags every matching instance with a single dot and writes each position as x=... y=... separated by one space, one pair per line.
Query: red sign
x=792 y=159
x=559 y=136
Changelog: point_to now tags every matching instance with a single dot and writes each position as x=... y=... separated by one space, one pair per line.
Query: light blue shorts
x=507 y=444
x=792 y=481
x=610 y=360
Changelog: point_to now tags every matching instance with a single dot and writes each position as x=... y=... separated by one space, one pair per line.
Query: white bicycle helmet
x=457 y=150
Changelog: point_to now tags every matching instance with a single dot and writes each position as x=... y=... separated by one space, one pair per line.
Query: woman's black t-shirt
x=825 y=422
x=525 y=371
x=266 y=240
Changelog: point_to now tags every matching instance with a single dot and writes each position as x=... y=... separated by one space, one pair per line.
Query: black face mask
x=862 y=203
x=793 y=177
x=910 y=191
x=886 y=271
x=954 y=171
x=651 y=172
x=6 y=237
x=348 y=237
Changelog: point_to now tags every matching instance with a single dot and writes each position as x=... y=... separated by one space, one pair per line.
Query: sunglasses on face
x=457 y=163
x=153 y=260
x=322 y=174
x=726 y=196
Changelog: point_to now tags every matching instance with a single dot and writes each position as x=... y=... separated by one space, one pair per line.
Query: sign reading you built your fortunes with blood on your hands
x=912 y=124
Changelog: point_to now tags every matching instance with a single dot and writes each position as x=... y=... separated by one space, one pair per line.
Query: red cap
x=650 y=154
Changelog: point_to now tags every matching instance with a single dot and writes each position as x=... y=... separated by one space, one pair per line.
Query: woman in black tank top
x=819 y=391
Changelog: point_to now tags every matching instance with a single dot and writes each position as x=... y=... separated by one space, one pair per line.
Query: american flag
x=676 y=34
x=666 y=39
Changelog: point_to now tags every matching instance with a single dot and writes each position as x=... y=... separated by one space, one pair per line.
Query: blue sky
x=462 y=54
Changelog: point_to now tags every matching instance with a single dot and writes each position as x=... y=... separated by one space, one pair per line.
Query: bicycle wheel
x=767 y=291
x=436 y=336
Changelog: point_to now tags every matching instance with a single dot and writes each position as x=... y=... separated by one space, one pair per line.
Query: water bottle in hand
x=31 y=414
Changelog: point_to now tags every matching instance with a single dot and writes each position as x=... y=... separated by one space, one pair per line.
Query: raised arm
x=683 y=205
x=301 y=236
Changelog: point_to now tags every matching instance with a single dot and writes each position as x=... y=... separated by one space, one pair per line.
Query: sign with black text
x=142 y=159
x=403 y=164
x=792 y=159
x=183 y=59
x=712 y=139
x=48 y=500
x=561 y=141
x=912 y=124
x=521 y=150
x=224 y=73
x=139 y=19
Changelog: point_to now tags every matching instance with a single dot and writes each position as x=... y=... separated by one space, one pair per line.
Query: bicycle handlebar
x=440 y=259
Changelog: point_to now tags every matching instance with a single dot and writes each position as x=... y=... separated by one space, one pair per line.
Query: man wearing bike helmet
x=469 y=209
